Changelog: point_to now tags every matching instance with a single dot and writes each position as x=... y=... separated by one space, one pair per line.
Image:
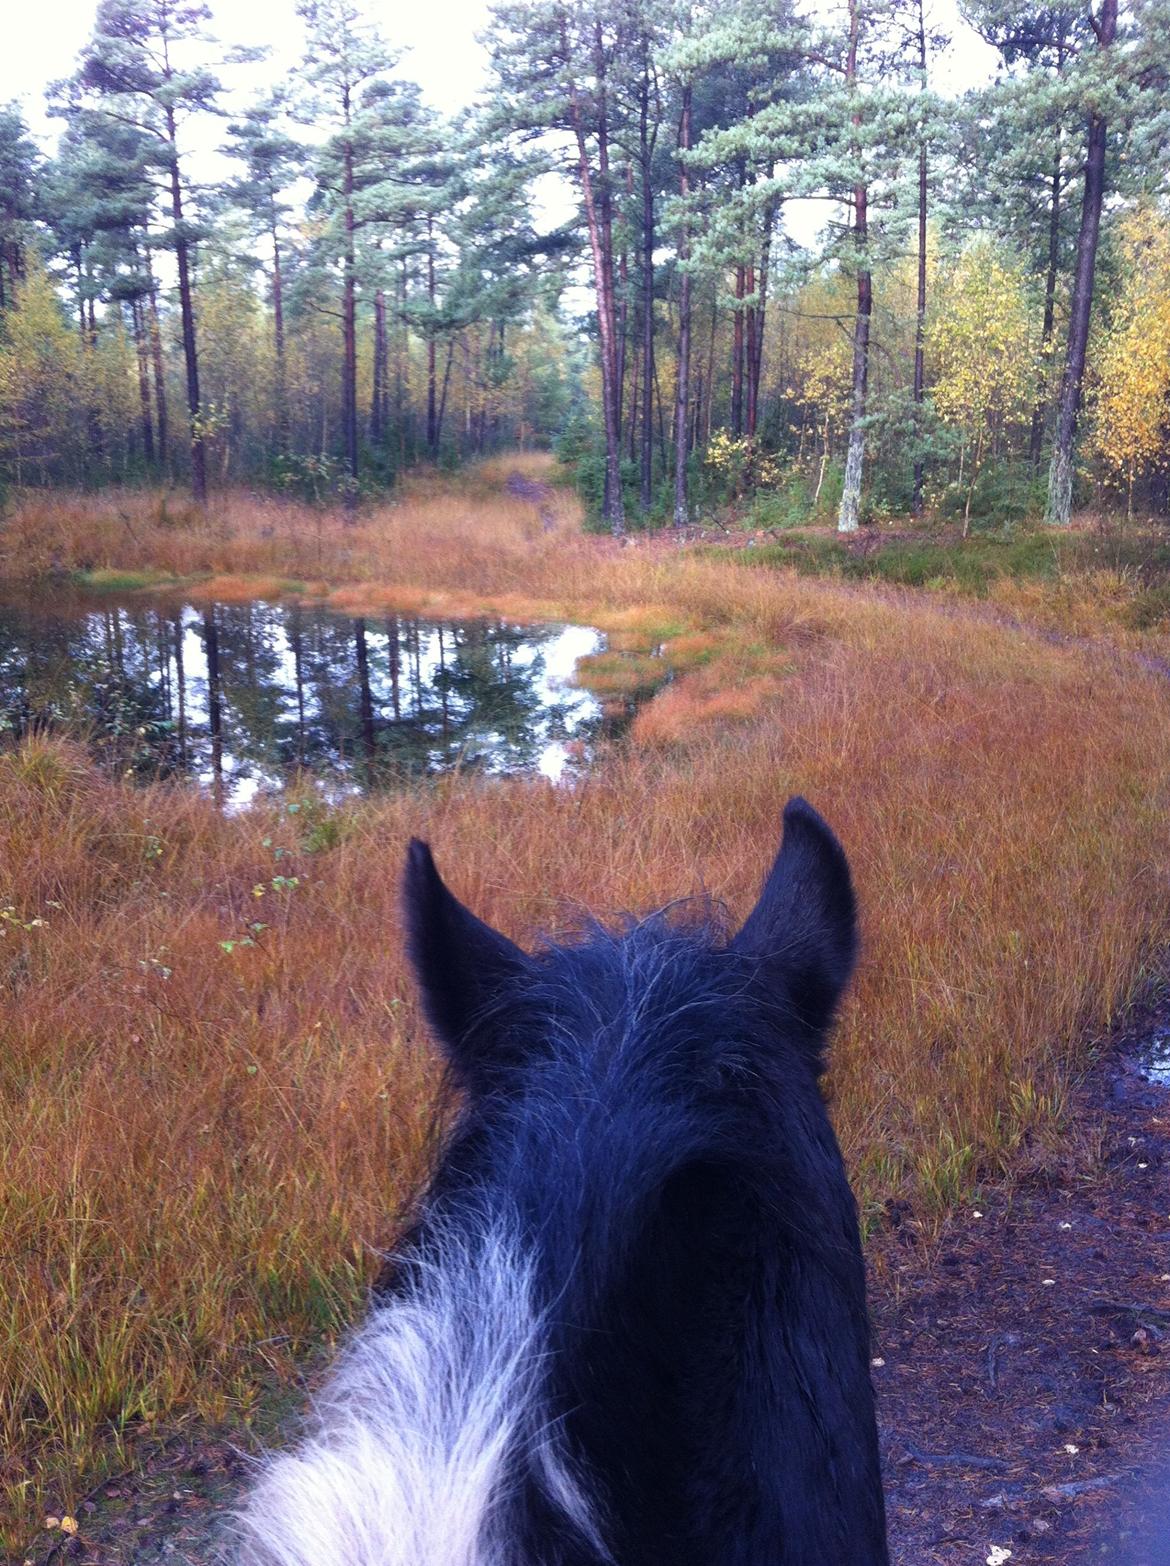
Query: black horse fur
x=629 y=1325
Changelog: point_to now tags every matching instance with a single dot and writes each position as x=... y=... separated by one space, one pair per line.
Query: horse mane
x=627 y=1324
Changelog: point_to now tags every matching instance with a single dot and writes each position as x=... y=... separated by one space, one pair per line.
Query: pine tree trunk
x=849 y=515
x=443 y=397
x=282 y=422
x=156 y=356
x=349 y=328
x=1060 y=475
x=634 y=400
x=737 y=359
x=402 y=369
x=378 y=394
x=600 y=243
x=760 y=317
x=87 y=324
x=916 y=504
x=1039 y=413
x=682 y=390
x=432 y=363
x=710 y=381
x=140 y=352
x=646 y=150
x=623 y=320
x=187 y=311
x=751 y=362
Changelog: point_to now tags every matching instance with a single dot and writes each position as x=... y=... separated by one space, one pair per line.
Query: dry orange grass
x=203 y=1147
x=466 y=536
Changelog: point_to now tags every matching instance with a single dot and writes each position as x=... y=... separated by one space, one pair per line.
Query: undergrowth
x=1084 y=580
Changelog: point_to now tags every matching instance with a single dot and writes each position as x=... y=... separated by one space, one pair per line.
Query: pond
x=244 y=698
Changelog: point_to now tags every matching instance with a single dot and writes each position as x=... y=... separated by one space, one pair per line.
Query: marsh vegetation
x=216 y=1096
x=277 y=593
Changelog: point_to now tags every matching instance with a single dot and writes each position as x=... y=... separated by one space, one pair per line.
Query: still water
x=242 y=698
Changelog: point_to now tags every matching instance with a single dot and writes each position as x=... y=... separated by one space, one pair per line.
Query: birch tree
x=1131 y=402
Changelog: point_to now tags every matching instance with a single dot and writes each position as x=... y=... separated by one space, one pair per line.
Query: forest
x=732 y=400
x=967 y=318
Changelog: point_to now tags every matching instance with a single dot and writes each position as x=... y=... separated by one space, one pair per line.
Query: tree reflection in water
x=242 y=697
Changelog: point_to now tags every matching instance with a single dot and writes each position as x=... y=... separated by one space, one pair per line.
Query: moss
x=971 y=564
x=111 y=581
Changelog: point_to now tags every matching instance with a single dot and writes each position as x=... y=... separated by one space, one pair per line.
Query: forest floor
x=1021 y=1358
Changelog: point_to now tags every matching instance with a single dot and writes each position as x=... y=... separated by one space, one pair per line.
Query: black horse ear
x=470 y=975
x=803 y=930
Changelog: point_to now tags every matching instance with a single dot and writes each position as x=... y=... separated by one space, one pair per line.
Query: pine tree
x=344 y=52
x=1060 y=476
x=99 y=199
x=556 y=69
x=683 y=379
x=923 y=40
x=145 y=67
x=20 y=173
x=505 y=271
x=402 y=160
x=839 y=133
x=272 y=160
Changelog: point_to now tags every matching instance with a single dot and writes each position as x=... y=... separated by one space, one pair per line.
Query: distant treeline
x=980 y=327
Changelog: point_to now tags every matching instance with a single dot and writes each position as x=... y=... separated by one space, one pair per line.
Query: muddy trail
x=537 y=493
x=1023 y=1373
x=1022 y=1364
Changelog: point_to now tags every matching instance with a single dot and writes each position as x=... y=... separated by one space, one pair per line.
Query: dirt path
x=533 y=490
x=1023 y=1372
x=1025 y=1378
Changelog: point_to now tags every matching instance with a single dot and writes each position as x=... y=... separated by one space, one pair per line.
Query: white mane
x=419 y=1429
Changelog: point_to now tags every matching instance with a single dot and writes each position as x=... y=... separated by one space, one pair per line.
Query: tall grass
x=216 y=1097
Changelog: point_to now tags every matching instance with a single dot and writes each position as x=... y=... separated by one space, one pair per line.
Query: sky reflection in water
x=244 y=697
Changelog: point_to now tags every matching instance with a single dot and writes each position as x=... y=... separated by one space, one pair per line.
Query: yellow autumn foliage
x=66 y=400
x=821 y=349
x=40 y=381
x=1131 y=401
x=983 y=344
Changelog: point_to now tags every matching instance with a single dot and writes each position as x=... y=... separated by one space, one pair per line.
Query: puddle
x=245 y=698
x=1153 y=1057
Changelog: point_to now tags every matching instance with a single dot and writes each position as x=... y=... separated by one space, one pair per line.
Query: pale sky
x=439 y=51
x=41 y=44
